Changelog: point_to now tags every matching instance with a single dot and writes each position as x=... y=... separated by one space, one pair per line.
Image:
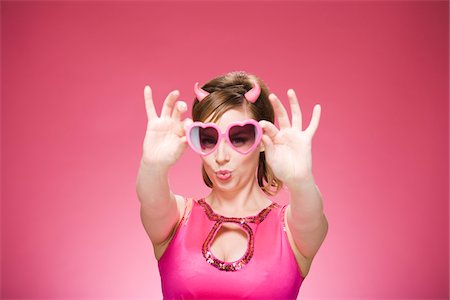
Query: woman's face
x=242 y=167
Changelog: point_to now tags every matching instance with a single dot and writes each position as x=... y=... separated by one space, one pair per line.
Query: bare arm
x=289 y=153
x=306 y=218
x=159 y=206
x=164 y=143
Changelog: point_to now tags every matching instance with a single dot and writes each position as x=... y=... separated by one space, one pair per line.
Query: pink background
x=73 y=123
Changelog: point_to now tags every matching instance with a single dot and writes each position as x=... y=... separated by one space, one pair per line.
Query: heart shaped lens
x=242 y=137
x=201 y=139
x=204 y=138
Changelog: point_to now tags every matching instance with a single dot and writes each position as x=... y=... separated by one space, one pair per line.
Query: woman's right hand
x=165 y=138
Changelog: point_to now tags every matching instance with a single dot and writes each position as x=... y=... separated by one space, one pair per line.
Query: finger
x=184 y=125
x=312 y=128
x=183 y=140
x=295 y=110
x=268 y=146
x=169 y=103
x=280 y=112
x=180 y=107
x=180 y=126
x=187 y=122
x=269 y=129
x=149 y=105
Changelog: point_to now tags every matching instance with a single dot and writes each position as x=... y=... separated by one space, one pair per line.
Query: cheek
x=248 y=163
x=207 y=163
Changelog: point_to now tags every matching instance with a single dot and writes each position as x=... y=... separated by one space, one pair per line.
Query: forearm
x=152 y=185
x=306 y=202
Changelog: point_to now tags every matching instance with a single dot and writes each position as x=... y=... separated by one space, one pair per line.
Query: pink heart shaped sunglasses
x=242 y=136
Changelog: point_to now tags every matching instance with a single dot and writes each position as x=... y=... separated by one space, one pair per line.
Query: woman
x=235 y=242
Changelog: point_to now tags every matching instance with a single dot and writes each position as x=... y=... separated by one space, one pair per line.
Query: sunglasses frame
x=221 y=135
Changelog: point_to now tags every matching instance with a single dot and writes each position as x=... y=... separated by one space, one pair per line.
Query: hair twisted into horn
x=251 y=95
x=199 y=92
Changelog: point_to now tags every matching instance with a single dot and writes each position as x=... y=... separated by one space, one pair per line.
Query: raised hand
x=288 y=149
x=165 y=139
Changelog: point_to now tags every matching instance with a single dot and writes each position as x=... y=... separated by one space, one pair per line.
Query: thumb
x=268 y=145
x=186 y=123
x=183 y=140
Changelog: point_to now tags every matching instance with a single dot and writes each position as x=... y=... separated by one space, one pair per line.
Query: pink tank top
x=268 y=269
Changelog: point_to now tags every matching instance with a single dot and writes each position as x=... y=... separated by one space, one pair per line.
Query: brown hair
x=227 y=92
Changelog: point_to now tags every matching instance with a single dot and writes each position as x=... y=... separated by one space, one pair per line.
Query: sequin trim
x=187 y=206
x=283 y=209
x=252 y=219
x=219 y=219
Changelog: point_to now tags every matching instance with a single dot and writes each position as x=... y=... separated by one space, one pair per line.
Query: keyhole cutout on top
x=230 y=242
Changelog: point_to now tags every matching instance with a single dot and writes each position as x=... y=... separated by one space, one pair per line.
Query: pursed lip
x=223 y=172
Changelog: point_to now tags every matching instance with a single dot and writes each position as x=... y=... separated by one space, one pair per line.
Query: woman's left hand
x=288 y=149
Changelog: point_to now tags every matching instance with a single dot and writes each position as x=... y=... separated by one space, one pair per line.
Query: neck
x=238 y=201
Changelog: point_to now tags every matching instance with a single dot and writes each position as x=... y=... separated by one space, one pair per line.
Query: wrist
x=301 y=183
x=153 y=166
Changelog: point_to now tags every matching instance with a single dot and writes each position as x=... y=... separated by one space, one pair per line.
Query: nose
x=222 y=154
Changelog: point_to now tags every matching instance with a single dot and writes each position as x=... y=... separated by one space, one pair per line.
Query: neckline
x=259 y=217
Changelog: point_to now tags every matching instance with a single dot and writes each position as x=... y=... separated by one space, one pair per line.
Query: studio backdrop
x=73 y=122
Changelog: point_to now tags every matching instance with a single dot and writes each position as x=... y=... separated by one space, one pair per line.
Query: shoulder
x=279 y=210
x=303 y=262
x=184 y=205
